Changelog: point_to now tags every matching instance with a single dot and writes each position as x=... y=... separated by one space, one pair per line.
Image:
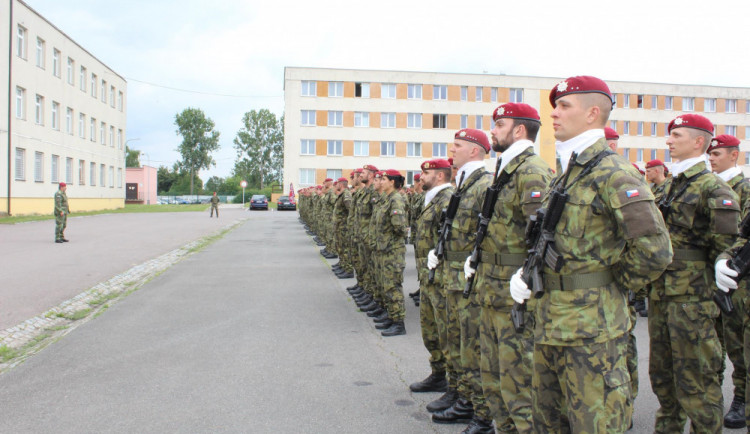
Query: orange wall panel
x=426 y=120
x=677 y=103
x=454 y=93
x=486 y=93
x=320 y=176
x=348 y=89
x=375 y=90
x=400 y=120
x=699 y=105
x=322 y=88
x=427 y=92
x=661 y=102
x=348 y=119
x=348 y=148
x=321 y=118
x=401 y=90
x=400 y=149
x=472 y=96
x=374 y=119
x=321 y=147
x=503 y=95
x=374 y=149
x=721 y=105
x=741 y=132
x=660 y=129
x=453 y=122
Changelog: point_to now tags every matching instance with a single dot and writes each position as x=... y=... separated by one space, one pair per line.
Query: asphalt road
x=252 y=334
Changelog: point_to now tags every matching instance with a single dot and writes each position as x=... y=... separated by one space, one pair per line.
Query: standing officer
x=723 y=154
x=506 y=355
x=61 y=213
x=416 y=203
x=364 y=214
x=470 y=146
x=702 y=214
x=342 y=204
x=656 y=175
x=610 y=239
x=214 y=205
x=612 y=138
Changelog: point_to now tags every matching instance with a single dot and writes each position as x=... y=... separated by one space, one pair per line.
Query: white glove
x=724 y=276
x=518 y=288
x=468 y=271
x=432 y=260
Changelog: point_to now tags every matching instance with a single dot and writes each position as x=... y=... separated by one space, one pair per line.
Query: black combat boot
x=396 y=329
x=354 y=288
x=479 y=426
x=370 y=307
x=384 y=325
x=462 y=411
x=357 y=292
x=735 y=417
x=377 y=312
x=363 y=299
x=346 y=275
x=640 y=307
x=336 y=267
x=445 y=401
x=381 y=318
x=436 y=382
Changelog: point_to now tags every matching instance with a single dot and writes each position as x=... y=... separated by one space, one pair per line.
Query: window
x=439 y=121
x=111 y=176
x=464 y=121
x=747 y=157
x=493 y=154
x=335 y=118
x=388 y=120
x=387 y=149
x=731 y=106
x=361 y=119
x=21 y=42
x=668 y=100
x=688 y=104
x=666 y=130
x=55 y=116
x=653 y=129
x=40 y=45
x=731 y=130
x=478 y=122
x=709 y=105
x=478 y=93
x=69 y=170
x=626 y=100
x=119 y=177
x=388 y=90
x=640 y=128
x=39 y=110
x=464 y=93
x=69 y=70
x=307 y=176
x=516 y=95
x=111 y=136
x=307 y=147
x=82 y=78
x=667 y=156
x=413 y=149
x=309 y=88
x=439 y=150
x=81 y=172
x=414 y=91
x=82 y=125
x=335 y=147
x=119 y=138
x=440 y=92
x=333 y=174
x=414 y=120
x=654 y=102
x=639 y=155
x=55 y=169
x=20 y=164
x=410 y=176
x=362 y=90
x=112 y=96
x=104 y=91
x=626 y=128
x=92 y=130
x=639 y=101
x=335 y=89
x=103 y=133
x=361 y=148
x=626 y=153
x=102 y=175
x=93 y=85
x=20 y=103
x=69 y=121
x=56 y=62
x=613 y=125
x=119 y=100
x=308 y=117
x=653 y=154
x=38 y=167
x=747 y=106
x=92 y=173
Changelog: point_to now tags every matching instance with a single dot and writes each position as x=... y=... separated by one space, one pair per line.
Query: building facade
x=337 y=120
x=140 y=185
x=62 y=119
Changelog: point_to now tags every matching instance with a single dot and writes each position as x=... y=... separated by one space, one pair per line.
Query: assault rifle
x=740 y=263
x=445 y=226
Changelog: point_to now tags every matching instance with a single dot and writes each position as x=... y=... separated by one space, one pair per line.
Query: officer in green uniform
x=470 y=146
x=723 y=155
x=416 y=202
x=353 y=230
x=377 y=200
x=61 y=213
x=435 y=179
x=702 y=214
x=364 y=297
x=214 y=205
x=610 y=239
x=342 y=204
x=506 y=356
x=656 y=175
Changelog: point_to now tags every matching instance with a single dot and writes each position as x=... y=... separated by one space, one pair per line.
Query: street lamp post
x=243 y=184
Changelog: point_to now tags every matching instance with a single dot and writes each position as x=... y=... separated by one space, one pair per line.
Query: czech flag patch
x=726 y=202
x=535 y=194
x=632 y=193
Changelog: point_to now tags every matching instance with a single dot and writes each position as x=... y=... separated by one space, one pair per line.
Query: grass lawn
x=129 y=208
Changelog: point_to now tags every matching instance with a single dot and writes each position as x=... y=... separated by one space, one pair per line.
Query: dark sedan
x=259 y=201
x=285 y=203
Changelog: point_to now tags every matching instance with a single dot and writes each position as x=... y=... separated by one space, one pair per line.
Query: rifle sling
x=672 y=197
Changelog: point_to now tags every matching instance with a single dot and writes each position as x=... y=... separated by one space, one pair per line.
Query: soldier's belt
x=457 y=256
x=690 y=255
x=569 y=282
x=503 y=259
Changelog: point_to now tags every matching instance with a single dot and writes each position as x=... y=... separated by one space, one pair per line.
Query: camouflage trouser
x=506 y=367
x=633 y=355
x=393 y=262
x=343 y=250
x=453 y=343
x=214 y=207
x=719 y=326
x=746 y=352
x=354 y=255
x=684 y=359
x=366 y=264
x=377 y=276
x=734 y=336
x=469 y=316
x=61 y=221
x=432 y=319
x=581 y=389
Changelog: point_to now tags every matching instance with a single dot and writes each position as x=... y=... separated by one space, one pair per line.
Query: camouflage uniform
x=685 y=351
x=463 y=314
x=612 y=239
x=415 y=208
x=364 y=215
x=214 y=206
x=341 y=208
x=329 y=200
x=506 y=355
x=392 y=253
x=353 y=230
x=376 y=226
x=61 y=214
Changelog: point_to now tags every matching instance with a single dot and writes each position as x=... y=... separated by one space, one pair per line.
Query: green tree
x=132 y=157
x=199 y=139
x=165 y=178
x=214 y=183
x=260 y=146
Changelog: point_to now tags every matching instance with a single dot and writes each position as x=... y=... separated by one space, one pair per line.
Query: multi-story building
x=337 y=119
x=62 y=119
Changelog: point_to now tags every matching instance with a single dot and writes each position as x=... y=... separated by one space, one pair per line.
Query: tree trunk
x=192 y=177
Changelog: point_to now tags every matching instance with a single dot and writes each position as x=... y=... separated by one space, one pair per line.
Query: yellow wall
x=30 y=206
x=546 y=132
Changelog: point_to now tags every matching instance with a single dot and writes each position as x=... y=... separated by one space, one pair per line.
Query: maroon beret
x=358 y=170
x=655 y=163
x=610 y=134
x=379 y=174
x=319 y=187
x=724 y=141
x=370 y=167
x=328 y=180
x=515 y=110
x=474 y=136
x=438 y=163
x=62 y=184
x=579 y=84
x=639 y=169
x=342 y=179
x=393 y=172
x=417 y=176
x=691 y=121
x=450 y=161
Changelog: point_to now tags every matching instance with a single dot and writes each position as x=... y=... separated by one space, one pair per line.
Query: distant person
x=61 y=213
x=214 y=205
x=611 y=136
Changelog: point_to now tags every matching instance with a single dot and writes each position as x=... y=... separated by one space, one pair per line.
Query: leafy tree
x=260 y=146
x=199 y=139
x=132 y=157
x=214 y=183
x=165 y=178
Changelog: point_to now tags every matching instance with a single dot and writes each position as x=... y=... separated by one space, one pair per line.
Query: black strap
x=588 y=167
x=462 y=188
x=670 y=198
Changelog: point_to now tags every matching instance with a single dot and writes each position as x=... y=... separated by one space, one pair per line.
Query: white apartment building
x=62 y=119
x=337 y=120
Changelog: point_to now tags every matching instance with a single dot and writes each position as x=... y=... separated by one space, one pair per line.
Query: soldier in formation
x=61 y=212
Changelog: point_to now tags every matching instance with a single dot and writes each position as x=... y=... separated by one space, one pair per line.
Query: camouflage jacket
x=504 y=247
x=376 y=220
x=703 y=221
x=61 y=203
x=658 y=189
x=393 y=222
x=364 y=213
x=463 y=232
x=341 y=209
x=415 y=207
x=427 y=227
x=352 y=224
x=215 y=200
x=611 y=232
x=741 y=186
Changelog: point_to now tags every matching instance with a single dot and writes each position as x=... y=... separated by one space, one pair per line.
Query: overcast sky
x=229 y=55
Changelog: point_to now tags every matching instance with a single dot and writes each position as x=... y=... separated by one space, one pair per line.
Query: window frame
x=390 y=148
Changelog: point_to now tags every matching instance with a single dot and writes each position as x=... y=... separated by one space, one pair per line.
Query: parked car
x=285 y=203
x=259 y=201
